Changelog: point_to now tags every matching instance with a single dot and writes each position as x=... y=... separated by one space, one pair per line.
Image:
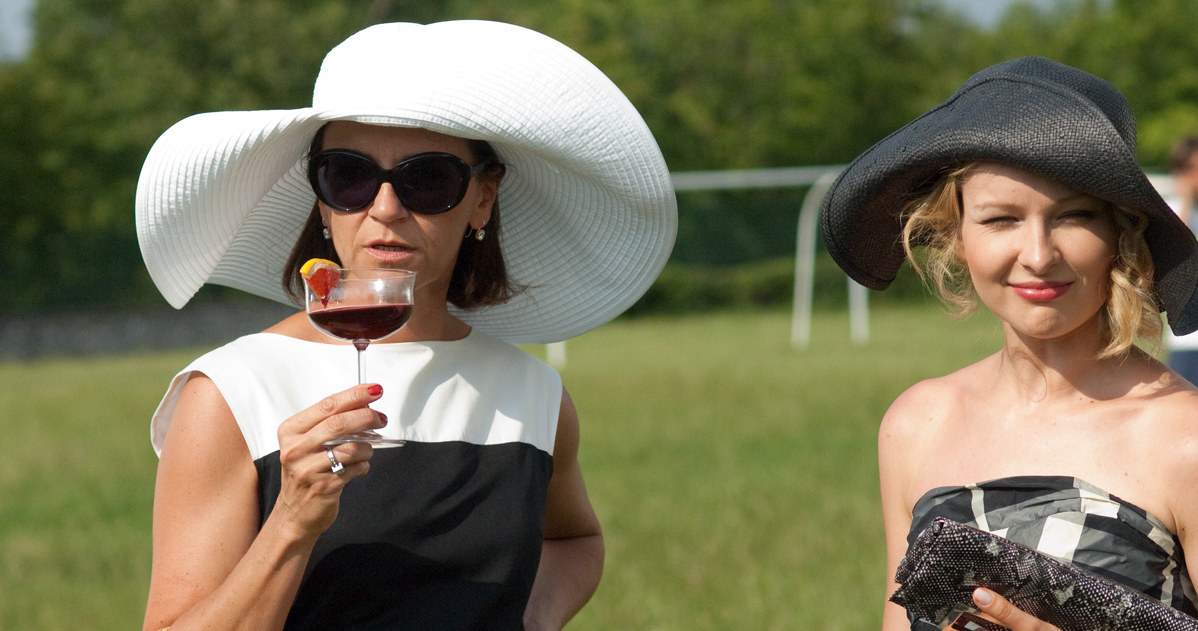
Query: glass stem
x=361 y=346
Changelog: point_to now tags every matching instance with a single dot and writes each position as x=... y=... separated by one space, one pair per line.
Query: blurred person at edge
x=1183 y=169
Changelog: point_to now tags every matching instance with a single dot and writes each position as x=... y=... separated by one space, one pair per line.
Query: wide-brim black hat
x=1031 y=113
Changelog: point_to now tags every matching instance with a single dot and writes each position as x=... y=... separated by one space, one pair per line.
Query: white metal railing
x=819 y=178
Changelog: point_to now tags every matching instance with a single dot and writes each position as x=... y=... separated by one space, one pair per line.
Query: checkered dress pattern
x=1075 y=522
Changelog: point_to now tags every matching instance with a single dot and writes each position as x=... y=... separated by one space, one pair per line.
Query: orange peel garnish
x=321 y=275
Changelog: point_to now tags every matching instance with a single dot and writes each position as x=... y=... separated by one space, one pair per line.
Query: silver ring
x=337 y=466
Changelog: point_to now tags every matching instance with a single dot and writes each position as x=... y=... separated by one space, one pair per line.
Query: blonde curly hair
x=932 y=224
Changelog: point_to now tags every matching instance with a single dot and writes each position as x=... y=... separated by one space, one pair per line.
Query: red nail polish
x=382 y=417
x=374 y=390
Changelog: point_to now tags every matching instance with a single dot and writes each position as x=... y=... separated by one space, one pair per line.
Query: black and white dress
x=1073 y=521
x=443 y=533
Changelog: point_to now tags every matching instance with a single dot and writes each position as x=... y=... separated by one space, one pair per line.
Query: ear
x=480 y=215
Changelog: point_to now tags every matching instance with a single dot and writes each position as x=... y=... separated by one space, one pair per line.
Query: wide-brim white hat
x=588 y=208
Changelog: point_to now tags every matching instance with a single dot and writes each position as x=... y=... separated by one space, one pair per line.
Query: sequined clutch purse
x=949 y=559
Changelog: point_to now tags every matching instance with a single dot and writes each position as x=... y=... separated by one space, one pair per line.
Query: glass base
x=366 y=437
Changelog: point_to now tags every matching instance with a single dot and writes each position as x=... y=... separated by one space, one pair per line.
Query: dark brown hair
x=479 y=276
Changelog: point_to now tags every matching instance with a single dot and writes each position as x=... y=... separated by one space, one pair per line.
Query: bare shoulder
x=565 y=448
x=927 y=405
x=1169 y=412
x=1163 y=440
x=203 y=432
x=914 y=428
x=1174 y=428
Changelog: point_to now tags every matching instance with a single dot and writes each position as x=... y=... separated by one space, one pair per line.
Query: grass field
x=735 y=477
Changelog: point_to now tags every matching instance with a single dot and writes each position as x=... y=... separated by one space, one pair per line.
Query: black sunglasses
x=426 y=183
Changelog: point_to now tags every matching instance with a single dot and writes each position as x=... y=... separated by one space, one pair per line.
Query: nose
x=1038 y=251
x=386 y=206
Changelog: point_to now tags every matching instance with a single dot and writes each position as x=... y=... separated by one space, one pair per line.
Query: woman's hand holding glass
x=311 y=486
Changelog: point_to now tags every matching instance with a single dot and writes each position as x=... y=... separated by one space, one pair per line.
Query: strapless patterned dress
x=1073 y=521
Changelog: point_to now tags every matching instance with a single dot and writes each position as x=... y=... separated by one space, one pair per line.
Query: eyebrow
x=1075 y=197
x=1080 y=196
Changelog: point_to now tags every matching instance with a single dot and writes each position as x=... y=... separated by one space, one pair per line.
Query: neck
x=446 y=328
x=1062 y=368
x=431 y=321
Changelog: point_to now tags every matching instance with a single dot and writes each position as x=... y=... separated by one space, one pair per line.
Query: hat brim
x=588 y=208
x=1019 y=121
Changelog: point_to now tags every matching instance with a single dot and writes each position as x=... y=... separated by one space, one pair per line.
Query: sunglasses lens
x=432 y=184
x=345 y=181
x=426 y=184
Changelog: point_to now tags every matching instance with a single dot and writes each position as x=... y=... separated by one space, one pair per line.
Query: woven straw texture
x=1034 y=114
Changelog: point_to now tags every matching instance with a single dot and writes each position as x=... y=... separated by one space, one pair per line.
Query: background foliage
x=724 y=85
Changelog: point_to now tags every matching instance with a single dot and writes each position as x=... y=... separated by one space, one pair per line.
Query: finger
x=353 y=398
x=1007 y=614
x=349 y=454
x=296 y=448
x=339 y=426
x=346 y=462
x=335 y=465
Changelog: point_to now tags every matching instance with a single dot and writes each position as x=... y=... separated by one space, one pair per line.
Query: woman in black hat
x=1022 y=191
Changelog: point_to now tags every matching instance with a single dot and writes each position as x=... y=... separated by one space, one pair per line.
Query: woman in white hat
x=482 y=519
x=1022 y=191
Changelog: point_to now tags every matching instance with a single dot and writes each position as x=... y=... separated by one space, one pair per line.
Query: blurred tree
x=1146 y=49
x=754 y=83
x=103 y=79
x=757 y=82
x=29 y=208
x=1150 y=51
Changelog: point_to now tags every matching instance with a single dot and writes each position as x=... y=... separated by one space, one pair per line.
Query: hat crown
x=1058 y=76
x=365 y=70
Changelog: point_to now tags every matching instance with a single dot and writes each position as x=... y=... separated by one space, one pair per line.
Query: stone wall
x=113 y=332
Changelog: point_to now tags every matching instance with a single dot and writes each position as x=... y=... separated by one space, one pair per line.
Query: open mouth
x=388 y=252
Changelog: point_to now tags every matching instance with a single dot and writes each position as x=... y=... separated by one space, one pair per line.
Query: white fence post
x=800 y=323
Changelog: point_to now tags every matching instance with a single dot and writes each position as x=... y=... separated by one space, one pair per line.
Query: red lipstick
x=1040 y=292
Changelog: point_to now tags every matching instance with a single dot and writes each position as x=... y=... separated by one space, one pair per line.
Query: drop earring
x=480 y=234
x=325 y=232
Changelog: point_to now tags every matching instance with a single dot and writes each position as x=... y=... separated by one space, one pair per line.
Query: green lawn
x=735 y=476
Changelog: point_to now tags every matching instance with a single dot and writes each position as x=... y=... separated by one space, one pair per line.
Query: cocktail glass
x=364 y=306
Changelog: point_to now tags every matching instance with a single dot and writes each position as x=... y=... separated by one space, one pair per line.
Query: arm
x=896 y=506
x=212 y=567
x=572 y=554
